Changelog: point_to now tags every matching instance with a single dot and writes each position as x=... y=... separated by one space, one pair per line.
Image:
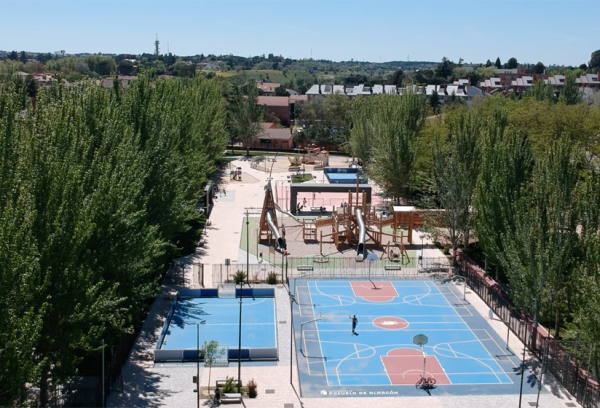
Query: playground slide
x=273 y=229
x=360 y=250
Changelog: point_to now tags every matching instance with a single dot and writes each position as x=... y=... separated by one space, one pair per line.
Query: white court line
x=337 y=367
x=319 y=338
x=338 y=297
x=469 y=357
x=499 y=347
x=481 y=344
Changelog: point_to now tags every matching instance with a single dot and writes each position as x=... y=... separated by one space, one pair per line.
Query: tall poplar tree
x=397 y=124
x=456 y=168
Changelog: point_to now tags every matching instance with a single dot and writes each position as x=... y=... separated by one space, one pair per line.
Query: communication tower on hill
x=156 y=43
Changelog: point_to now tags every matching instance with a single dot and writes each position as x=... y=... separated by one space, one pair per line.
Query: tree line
x=519 y=176
x=98 y=190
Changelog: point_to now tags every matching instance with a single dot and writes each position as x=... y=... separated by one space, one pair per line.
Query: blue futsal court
x=463 y=353
x=219 y=320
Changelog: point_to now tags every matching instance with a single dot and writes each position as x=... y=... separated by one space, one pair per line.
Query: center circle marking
x=390 y=323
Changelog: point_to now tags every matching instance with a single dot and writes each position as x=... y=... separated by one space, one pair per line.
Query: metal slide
x=360 y=250
x=274 y=231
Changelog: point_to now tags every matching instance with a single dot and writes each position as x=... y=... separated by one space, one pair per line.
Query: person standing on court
x=354 y=323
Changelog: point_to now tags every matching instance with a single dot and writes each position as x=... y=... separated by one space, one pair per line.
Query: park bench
x=393 y=267
x=308 y=268
x=231 y=398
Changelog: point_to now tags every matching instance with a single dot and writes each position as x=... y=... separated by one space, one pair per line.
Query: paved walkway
x=163 y=385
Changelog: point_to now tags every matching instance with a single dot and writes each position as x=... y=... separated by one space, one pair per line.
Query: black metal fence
x=570 y=372
x=327 y=268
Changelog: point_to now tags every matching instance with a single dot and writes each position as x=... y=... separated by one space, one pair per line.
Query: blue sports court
x=217 y=318
x=463 y=354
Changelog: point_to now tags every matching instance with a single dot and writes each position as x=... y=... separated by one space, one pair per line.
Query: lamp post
x=198 y=366
x=103 y=388
x=522 y=366
x=239 y=379
x=422 y=236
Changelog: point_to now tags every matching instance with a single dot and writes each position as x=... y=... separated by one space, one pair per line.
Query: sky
x=553 y=32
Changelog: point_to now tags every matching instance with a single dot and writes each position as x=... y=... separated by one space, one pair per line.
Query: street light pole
x=522 y=369
x=103 y=388
x=240 y=338
x=248 y=245
x=198 y=366
x=239 y=379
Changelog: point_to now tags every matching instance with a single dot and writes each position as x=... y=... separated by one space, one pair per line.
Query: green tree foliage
x=539 y=252
x=539 y=68
x=126 y=67
x=586 y=300
x=97 y=191
x=444 y=69
x=397 y=124
x=455 y=172
x=327 y=119
x=184 y=69
x=506 y=165
x=281 y=91
x=498 y=64
x=594 y=63
x=245 y=115
x=512 y=63
x=397 y=77
x=362 y=136
x=570 y=94
x=211 y=352
x=101 y=65
x=434 y=102
x=542 y=91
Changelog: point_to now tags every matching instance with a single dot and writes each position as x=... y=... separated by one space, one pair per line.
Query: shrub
x=272 y=278
x=229 y=386
x=446 y=250
x=239 y=277
x=252 y=393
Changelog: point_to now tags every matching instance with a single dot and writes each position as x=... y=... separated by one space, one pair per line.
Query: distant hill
x=269 y=75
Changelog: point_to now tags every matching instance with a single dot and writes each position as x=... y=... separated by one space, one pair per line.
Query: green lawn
x=301 y=178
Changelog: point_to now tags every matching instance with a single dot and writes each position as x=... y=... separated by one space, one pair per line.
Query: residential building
x=273 y=139
x=279 y=106
x=124 y=80
x=267 y=88
x=589 y=81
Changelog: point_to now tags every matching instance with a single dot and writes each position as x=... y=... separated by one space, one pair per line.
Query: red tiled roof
x=273 y=100
x=275 y=134
x=298 y=98
x=267 y=86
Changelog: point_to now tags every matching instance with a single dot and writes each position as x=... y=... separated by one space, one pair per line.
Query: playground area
x=343 y=253
x=355 y=229
x=461 y=351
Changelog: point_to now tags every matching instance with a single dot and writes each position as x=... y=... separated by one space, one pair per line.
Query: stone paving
x=170 y=385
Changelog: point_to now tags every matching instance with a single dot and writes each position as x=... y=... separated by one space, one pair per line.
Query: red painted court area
x=405 y=367
x=374 y=292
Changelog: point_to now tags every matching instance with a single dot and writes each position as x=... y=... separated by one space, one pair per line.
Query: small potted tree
x=252 y=393
x=211 y=352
